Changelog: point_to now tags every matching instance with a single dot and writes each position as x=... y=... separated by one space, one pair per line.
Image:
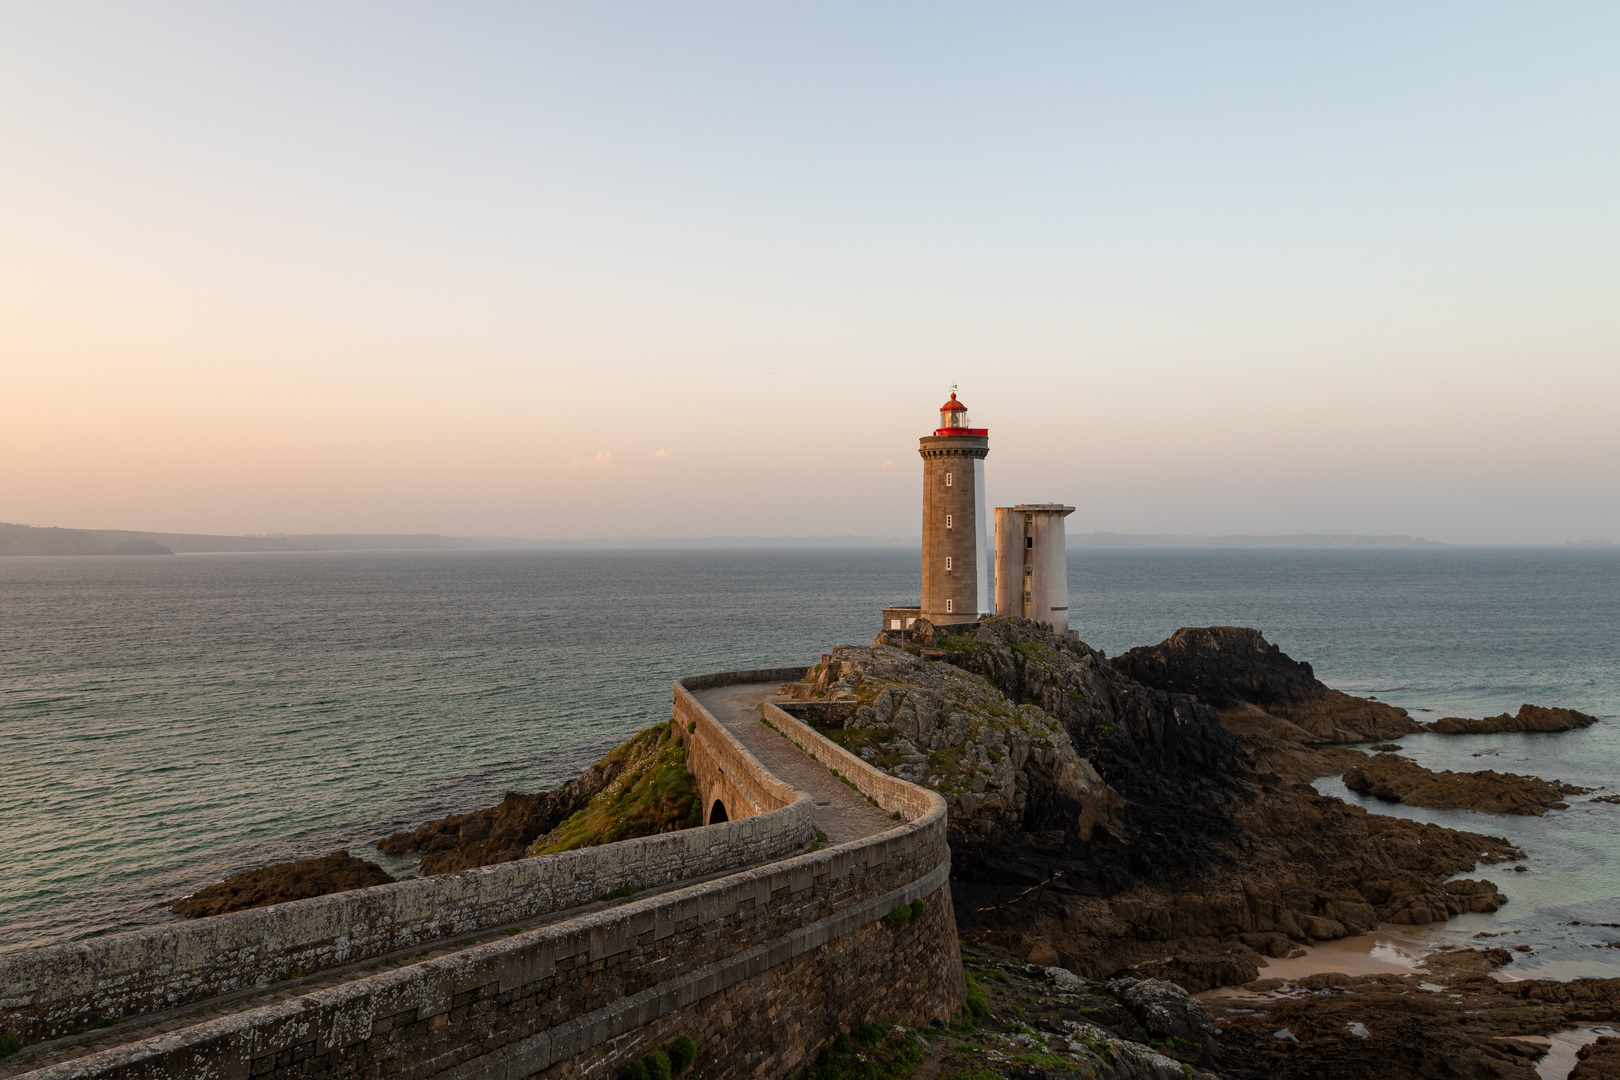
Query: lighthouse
x=955 y=548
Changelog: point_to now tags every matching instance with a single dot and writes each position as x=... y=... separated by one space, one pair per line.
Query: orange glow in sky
x=636 y=270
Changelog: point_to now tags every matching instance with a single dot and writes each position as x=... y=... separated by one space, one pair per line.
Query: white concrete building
x=1032 y=566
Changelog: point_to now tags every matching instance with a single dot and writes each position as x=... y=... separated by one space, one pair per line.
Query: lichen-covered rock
x=1003 y=767
x=1166 y=1010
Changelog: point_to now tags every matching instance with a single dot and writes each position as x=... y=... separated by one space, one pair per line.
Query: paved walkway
x=840 y=811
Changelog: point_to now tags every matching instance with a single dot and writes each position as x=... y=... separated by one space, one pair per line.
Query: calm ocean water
x=170 y=721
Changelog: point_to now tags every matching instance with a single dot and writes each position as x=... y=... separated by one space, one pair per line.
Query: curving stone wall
x=726 y=773
x=760 y=967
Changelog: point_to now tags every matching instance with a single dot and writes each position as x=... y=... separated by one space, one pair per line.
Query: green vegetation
x=9 y=1044
x=653 y=793
x=662 y=1064
x=978 y=1002
x=619 y=894
x=682 y=1053
x=870 y=1052
x=904 y=913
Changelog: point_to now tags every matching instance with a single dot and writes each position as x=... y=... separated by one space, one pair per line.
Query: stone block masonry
x=48 y=992
x=760 y=967
x=726 y=772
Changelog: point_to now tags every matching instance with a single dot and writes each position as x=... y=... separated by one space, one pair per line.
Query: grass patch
x=870 y=1052
x=978 y=1001
x=653 y=794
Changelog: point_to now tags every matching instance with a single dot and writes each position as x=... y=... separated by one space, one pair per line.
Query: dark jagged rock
x=1529 y=718
x=496 y=834
x=1237 y=670
x=1397 y=779
x=1105 y=825
x=299 y=880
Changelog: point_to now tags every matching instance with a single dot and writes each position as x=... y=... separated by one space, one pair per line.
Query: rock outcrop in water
x=299 y=880
x=1397 y=779
x=1529 y=718
x=1180 y=859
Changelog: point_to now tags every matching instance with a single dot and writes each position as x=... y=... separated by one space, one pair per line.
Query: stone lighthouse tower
x=955 y=551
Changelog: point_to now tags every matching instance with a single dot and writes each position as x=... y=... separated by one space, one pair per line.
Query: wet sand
x=1386 y=949
x=1381 y=950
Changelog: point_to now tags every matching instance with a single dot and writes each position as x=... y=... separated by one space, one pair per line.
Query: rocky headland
x=1109 y=826
x=1123 y=832
x=1396 y=779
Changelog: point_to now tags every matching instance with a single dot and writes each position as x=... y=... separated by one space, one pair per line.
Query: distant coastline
x=18 y=539
x=1244 y=540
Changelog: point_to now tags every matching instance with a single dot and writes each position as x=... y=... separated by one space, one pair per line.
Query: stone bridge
x=760 y=935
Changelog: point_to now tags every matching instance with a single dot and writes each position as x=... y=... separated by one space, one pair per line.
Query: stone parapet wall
x=759 y=967
x=722 y=766
x=892 y=793
x=47 y=992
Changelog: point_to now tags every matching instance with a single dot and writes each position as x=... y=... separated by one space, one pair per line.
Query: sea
x=169 y=721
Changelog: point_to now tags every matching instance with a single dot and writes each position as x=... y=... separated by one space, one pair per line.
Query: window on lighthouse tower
x=953 y=414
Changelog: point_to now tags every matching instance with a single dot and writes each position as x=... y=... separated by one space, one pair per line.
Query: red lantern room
x=953 y=420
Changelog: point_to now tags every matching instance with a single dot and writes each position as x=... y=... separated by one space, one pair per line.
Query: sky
x=608 y=269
